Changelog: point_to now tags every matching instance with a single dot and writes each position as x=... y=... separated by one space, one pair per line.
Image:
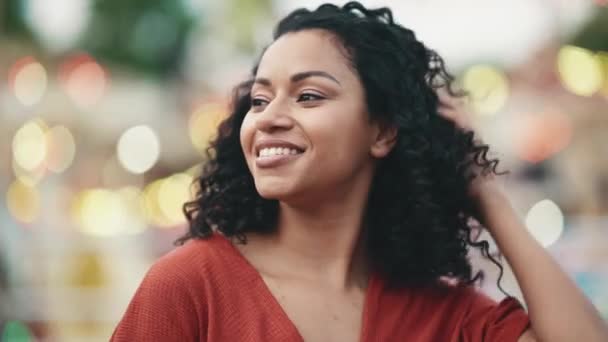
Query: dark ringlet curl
x=419 y=213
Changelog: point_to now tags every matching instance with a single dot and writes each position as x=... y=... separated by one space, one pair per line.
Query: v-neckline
x=278 y=308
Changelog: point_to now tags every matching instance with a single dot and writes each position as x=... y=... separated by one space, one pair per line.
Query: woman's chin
x=275 y=192
x=291 y=198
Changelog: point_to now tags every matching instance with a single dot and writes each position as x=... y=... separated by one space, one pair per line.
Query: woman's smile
x=276 y=156
x=274 y=152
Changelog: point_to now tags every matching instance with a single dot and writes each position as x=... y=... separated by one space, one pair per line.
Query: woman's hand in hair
x=455 y=109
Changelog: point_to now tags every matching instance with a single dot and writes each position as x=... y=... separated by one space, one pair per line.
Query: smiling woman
x=316 y=105
x=336 y=205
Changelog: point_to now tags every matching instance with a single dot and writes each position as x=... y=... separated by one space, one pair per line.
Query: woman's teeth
x=277 y=151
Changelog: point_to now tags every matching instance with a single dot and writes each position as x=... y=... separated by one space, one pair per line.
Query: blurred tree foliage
x=594 y=34
x=147 y=35
x=11 y=19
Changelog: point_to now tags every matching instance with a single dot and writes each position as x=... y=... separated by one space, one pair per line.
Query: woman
x=337 y=206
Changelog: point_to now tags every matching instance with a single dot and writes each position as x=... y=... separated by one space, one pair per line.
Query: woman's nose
x=276 y=116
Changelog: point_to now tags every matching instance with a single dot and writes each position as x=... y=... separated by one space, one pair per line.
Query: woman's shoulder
x=452 y=312
x=189 y=274
x=477 y=316
x=200 y=257
x=447 y=295
x=171 y=302
x=450 y=301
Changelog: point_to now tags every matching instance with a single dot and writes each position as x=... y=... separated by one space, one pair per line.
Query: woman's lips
x=275 y=160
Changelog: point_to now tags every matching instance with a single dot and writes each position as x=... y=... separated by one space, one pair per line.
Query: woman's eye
x=257 y=102
x=309 y=97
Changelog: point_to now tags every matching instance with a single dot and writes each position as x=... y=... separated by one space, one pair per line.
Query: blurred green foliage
x=594 y=35
x=147 y=35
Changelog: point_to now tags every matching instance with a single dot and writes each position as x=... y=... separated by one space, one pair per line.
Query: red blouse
x=207 y=291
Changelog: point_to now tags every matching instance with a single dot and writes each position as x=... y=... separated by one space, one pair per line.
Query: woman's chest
x=276 y=311
x=319 y=315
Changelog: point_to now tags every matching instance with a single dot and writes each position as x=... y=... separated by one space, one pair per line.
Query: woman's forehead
x=304 y=50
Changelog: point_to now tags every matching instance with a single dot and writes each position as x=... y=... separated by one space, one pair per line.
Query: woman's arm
x=557 y=308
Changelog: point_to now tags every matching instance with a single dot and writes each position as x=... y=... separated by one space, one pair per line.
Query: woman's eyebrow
x=299 y=77
x=305 y=74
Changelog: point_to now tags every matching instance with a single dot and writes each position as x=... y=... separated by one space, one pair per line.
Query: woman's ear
x=384 y=140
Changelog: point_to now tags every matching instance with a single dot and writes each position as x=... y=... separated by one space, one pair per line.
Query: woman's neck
x=322 y=239
x=325 y=244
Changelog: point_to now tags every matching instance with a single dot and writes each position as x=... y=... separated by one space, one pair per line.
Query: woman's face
x=308 y=132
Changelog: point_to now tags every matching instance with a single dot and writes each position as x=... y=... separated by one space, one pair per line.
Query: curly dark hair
x=420 y=215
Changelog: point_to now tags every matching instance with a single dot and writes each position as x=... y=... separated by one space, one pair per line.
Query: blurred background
x=107 y=105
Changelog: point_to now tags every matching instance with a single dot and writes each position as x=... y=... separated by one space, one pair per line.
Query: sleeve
x=162 y=309
x=487 y=320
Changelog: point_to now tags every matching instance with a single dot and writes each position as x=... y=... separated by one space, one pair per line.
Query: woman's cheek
x=246 y=134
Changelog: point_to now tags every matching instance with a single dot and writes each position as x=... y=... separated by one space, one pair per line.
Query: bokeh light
x=61 y=149
x=102 y=212
x=30 y=144
x=602 y=58
x=195 y=170
x=58 y=23
x=134 y=220
x=150 y=205
x=203 y=124
x=87 y=271
x=488 y=88
x=138 y=149
x=27 y=79
x=98 y=212
x=174 y=191
x=84 y=80
x=580 y=70
x=29 y=177
x=23 y=202
x=542 y=135
x=545 y=222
